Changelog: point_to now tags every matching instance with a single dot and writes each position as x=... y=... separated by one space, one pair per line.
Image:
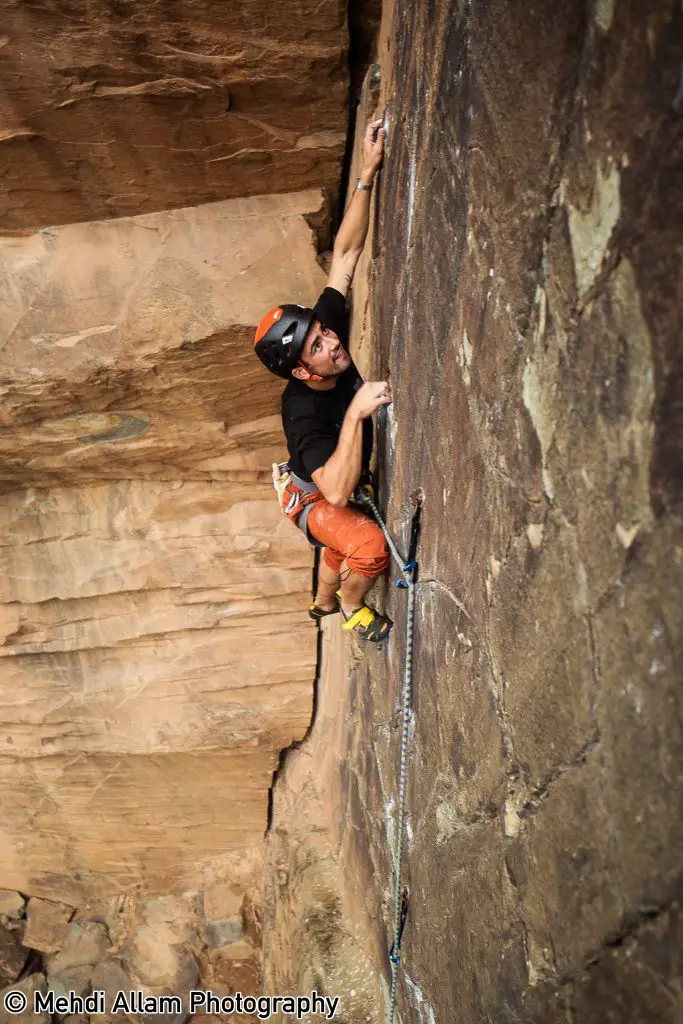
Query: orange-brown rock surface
x=113 y=108
x=156 y=653
x=321 y=891
x=127 y=344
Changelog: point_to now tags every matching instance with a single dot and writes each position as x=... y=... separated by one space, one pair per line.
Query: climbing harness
x=296 y=498
x=406 y=581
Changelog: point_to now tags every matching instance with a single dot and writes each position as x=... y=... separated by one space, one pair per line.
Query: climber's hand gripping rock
x=369 y=397
x=373 y=147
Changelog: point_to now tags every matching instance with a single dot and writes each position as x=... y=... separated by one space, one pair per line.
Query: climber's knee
x=333 y=559
x=349 y=535
x=369 y=555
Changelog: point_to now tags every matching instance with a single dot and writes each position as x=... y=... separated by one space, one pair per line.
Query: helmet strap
x=314 y=376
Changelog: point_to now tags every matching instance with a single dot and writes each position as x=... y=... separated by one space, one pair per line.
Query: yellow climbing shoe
x=316 y=613
x=368 y=624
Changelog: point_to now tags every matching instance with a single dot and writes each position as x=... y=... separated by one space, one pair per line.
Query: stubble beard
x=342 y=364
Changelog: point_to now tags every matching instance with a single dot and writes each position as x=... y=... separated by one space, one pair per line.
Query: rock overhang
x=113 y=111
x=128 y=343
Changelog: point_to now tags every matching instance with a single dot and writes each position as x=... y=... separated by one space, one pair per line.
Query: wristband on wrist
x=362 y=187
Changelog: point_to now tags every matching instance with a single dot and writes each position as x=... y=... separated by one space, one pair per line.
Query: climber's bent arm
x=338 y=477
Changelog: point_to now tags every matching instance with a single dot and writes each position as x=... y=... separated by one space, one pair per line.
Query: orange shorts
x=351 y=536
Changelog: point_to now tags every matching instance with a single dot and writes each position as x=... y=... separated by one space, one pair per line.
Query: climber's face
x=322 y=354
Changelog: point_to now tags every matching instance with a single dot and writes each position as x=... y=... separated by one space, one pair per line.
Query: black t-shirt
x=312 y=419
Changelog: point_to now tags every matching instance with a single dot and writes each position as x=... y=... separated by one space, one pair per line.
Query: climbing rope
x=406 y=581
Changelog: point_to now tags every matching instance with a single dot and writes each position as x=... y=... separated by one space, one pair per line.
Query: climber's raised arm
x=353 y=229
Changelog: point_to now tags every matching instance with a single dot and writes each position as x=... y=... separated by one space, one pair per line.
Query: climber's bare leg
x=328 y=585
x=353 y=590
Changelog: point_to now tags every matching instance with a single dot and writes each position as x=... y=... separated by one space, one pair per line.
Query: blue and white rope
x=407 y=572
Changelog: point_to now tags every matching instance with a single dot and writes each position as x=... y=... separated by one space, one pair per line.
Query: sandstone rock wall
x=112 y=108
x=524 y=295
x=156 y=655
x=127 y=345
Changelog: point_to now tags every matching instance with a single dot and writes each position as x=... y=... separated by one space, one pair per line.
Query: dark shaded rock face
x=525 y=303
x=527 y=312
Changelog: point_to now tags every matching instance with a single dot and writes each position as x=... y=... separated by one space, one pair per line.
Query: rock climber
x=326 y=416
